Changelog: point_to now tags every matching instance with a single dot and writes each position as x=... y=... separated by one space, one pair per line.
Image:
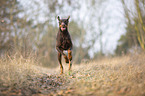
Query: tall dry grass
x=15 y=69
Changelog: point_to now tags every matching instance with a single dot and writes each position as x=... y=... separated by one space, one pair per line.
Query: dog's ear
x=68 y=18
x=58 y=18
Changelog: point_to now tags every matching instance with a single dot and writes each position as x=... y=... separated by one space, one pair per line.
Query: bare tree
x=139 y=23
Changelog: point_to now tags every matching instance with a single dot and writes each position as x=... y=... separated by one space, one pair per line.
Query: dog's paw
x=66 y=59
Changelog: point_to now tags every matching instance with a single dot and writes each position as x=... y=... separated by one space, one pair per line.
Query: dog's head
x=63 y=23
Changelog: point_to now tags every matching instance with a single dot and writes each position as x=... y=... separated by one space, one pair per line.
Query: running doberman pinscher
x=63 y=42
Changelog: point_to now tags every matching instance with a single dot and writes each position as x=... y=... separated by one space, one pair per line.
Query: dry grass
x=110 y=77
x=106 y=77
x=16 y=69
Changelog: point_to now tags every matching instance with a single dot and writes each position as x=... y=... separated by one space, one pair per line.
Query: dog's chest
x=65 y=42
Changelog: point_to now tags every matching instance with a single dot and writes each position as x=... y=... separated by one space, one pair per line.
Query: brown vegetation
x=107 y=77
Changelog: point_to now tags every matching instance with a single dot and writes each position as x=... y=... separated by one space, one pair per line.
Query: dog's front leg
x=59 y=59
x=70 y=58
x=66 y=59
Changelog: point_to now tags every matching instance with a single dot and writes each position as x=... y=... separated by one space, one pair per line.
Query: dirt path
x=47 y=84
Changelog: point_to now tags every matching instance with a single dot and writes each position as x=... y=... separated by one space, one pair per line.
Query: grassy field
x=118 y=76
x=110 y=77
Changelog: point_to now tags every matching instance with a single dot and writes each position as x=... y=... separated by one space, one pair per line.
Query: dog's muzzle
x=63 y=27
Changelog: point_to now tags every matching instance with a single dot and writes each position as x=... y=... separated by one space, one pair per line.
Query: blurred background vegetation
x=30 y=27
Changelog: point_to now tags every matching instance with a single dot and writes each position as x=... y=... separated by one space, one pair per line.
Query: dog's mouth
x=63 y=28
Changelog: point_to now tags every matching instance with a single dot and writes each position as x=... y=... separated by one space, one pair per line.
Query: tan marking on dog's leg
x=66 y=59
x=70 y=58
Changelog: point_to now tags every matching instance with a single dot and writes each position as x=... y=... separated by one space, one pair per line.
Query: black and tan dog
x=63 y=42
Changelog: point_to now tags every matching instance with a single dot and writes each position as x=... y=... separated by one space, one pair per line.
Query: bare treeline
x=134 y=38
x=31 y=26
